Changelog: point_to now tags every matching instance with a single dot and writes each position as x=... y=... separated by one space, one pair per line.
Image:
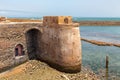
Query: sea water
x=101 y=33
x=96 y=18
x=95 y=56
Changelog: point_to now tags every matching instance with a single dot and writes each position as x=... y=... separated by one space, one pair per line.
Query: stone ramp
x=36 y=70
x=14 y=71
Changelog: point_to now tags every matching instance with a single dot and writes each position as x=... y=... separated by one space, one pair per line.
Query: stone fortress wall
x=55 y=41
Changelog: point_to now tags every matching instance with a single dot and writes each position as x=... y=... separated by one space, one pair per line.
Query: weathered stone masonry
x=56 y=41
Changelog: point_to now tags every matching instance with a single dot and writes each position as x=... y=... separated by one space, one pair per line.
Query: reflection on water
x=107 y=73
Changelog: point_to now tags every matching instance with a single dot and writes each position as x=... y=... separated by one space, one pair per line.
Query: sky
x=76 y=8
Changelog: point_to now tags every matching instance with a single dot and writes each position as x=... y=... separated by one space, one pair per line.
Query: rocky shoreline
x=100 y=43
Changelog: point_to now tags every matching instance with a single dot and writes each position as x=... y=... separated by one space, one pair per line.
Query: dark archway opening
x=19 y=50
x=32 y=39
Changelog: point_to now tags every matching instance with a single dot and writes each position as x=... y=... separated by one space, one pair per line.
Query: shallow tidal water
x=101 y=33
x=94 y=56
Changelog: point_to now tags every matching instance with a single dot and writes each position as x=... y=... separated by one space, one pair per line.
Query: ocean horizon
x=96 y=18
x=78 y=18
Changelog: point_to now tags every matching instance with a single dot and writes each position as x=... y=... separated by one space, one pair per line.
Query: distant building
x=2 y=19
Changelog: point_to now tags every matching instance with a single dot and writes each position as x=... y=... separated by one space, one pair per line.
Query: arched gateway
x=32 y=40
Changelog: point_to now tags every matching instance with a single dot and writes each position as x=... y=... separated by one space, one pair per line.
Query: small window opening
x=66 y=20
x=19 y=50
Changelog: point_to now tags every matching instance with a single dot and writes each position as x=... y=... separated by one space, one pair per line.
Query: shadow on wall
x=32 y=40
